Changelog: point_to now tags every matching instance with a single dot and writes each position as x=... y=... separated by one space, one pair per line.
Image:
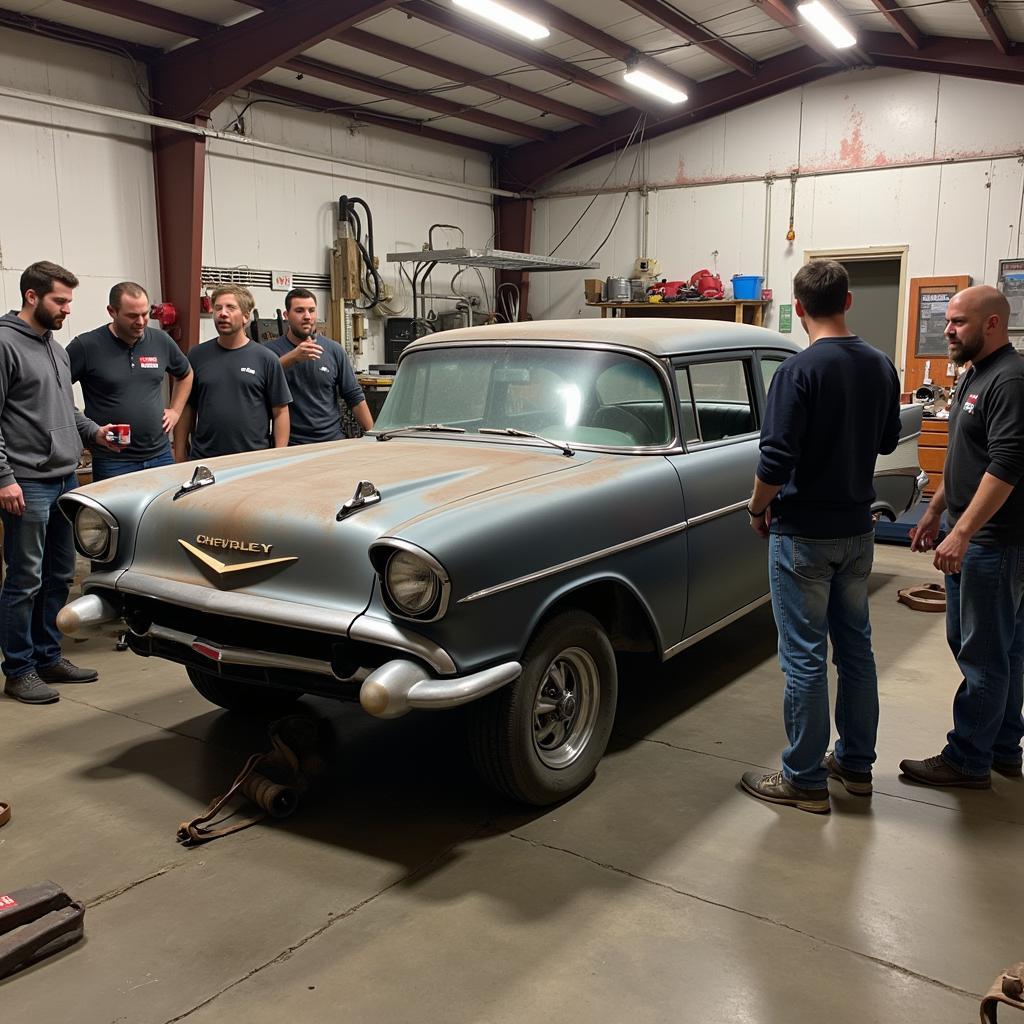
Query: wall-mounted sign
x=1011 y=284
x=281 y=281
x=785 y=319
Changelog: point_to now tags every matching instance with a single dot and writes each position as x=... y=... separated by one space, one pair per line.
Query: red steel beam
x=194 y=79
x=328 y=106
x=992 y=25
x=330 y=73
x=370 y=43
x=548 y=14
x=527 y=166
x=53 y=30
x=901 y=21
x=462 y=26
x=967 y=58
x=150 y=14
x=668 y=17
x=513 y=221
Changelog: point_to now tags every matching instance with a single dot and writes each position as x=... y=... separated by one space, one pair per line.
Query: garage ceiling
x=429 y=68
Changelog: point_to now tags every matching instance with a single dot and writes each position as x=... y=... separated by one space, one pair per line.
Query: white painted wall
x=958 y=216
x=74 y=188
x=268 y=212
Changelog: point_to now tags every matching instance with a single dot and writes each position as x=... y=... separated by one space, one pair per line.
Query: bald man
x=982 y=556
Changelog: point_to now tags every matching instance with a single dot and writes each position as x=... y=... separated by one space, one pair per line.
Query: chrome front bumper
x=389 y=691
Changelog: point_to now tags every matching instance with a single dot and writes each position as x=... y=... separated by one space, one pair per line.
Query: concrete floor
x=407 y=893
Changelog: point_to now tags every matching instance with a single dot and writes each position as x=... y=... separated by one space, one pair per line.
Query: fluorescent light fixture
x=655 y=86
x=821 y=18
x=504 y=17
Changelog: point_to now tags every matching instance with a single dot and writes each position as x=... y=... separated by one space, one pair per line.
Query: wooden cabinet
x=932 y=451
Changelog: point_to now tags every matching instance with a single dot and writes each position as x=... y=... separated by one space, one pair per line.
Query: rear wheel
x=246 y=698
x=539 y=739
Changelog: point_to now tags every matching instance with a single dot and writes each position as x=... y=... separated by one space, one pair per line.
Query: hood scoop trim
x=202 y=477
x=365 y=496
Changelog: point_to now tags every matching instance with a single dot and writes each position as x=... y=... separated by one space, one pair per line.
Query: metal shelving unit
x=491 y=259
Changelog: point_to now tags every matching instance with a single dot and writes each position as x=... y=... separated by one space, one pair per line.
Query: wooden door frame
x=877 y=252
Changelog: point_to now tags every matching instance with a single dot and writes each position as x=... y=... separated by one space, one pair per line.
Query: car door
x=719 y=412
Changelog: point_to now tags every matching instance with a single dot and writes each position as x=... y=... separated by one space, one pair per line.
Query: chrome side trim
x=393 y=544
x=706 y=517
x=83 y=499
x=241 y=655
x=574 y=563
x=384 y=633
x=715 y=627
x=913 y=471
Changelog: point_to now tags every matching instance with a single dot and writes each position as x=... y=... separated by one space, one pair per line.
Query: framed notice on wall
x=1011 y=284
x=927 y=352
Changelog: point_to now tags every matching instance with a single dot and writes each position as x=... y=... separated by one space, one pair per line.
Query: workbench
x=740 y=311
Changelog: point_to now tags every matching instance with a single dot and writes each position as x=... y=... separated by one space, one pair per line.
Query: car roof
x=660 y=336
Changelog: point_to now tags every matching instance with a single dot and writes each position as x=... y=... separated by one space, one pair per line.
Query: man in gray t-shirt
x=318 y=372
x=239 y=400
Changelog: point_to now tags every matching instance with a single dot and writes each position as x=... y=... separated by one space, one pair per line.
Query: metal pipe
x=243 y=140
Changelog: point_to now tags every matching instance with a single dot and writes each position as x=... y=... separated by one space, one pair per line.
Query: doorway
x=877 y=281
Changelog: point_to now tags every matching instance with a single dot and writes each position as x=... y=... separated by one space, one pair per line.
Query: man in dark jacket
x=41 y=438
x=832 y=409
x=982 y=494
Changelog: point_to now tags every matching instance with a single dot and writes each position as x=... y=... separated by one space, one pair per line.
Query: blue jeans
x=40 y=556
x=820 y=592
x=985 y=631
x=105 y=466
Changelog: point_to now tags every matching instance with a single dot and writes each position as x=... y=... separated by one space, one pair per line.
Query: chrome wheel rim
x=565 y=708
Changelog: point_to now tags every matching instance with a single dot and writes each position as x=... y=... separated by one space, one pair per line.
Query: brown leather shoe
x=63 y=671
x=1008 y=769
x=777 y=789
x=936 y=771
x=858 y=783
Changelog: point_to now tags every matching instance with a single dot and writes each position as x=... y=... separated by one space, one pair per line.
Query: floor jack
x=36 y=922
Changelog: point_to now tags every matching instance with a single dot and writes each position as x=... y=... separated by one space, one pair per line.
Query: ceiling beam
x=966 y=58
x=668 y=17
x=552 y=16
x=423 y=100
x=97 y=40
x=194 y=79
x=324 y=104
x=530 y=55
x=370 y=43
x=527 y=166
x=992 y=25
x=149 y=14
x=901 y=21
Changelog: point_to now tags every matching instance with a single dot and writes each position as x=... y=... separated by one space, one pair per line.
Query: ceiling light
x=655 y=86
x=821 y=18
x=504 y=17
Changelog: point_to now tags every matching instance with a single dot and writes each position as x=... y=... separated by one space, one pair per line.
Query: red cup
x=120 y=434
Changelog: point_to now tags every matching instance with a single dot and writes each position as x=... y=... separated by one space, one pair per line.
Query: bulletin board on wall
x=1011 y=284
x=927 y=352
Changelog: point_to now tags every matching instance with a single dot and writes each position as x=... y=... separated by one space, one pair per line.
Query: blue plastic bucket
x=746 y=287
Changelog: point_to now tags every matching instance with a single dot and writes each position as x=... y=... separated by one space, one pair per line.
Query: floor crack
x=114 y=893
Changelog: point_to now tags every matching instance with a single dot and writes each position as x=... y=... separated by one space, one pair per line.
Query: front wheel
x=247 y=698
x=539 y=739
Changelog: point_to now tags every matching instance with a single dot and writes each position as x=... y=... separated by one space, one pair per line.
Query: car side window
x=717 y=395
x=769 y=364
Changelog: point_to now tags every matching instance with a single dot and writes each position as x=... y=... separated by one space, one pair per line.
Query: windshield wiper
x=562 y=446
x=428 y=428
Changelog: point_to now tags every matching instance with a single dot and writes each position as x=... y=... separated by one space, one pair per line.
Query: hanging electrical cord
x=371 y=284
x=509 y=309
x=625 y=195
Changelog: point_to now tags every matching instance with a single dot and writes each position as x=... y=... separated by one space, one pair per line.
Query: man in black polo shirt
x=239 y=399
x=982 y=556
x=318 y=371
x=832 y=409
x=121 y=368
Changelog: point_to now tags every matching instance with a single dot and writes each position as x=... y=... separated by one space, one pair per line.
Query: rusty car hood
x=269 y=525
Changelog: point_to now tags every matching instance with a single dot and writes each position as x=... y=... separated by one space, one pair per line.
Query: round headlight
x=412 y=584
x=92 y=532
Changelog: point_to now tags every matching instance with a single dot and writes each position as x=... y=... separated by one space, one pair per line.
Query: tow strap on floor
x=1008 y=989
x=929 y=597
x=36 y=922
x=273 y=781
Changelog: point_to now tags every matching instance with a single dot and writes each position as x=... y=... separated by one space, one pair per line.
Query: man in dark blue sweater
x=832 y=409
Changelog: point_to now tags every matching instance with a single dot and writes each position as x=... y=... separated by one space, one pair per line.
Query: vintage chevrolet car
x=534 y=499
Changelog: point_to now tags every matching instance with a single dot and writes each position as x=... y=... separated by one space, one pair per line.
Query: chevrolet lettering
x=544 y=497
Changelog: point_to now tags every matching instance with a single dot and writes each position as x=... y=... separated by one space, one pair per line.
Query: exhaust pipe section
x=399 y=686
x=87 y=616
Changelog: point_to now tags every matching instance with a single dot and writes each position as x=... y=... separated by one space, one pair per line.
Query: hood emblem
x=223 y=568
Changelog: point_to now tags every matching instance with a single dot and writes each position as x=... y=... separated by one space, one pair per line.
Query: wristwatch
x=756 y=515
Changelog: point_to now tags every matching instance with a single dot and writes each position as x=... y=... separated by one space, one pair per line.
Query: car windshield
x=581 y=395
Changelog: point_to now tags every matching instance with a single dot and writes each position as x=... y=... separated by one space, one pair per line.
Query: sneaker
x=63 y=671
x=937 y=771
x=30 y=689
x=1008 y=769
x=777 y=789
x=855 y=782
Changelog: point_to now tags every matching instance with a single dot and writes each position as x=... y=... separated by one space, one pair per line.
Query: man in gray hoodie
x=41 y=438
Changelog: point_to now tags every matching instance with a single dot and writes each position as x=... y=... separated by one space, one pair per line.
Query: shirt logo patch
x=325 y=369
x=969 y=405
x=248 y=369
x=149 y=362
